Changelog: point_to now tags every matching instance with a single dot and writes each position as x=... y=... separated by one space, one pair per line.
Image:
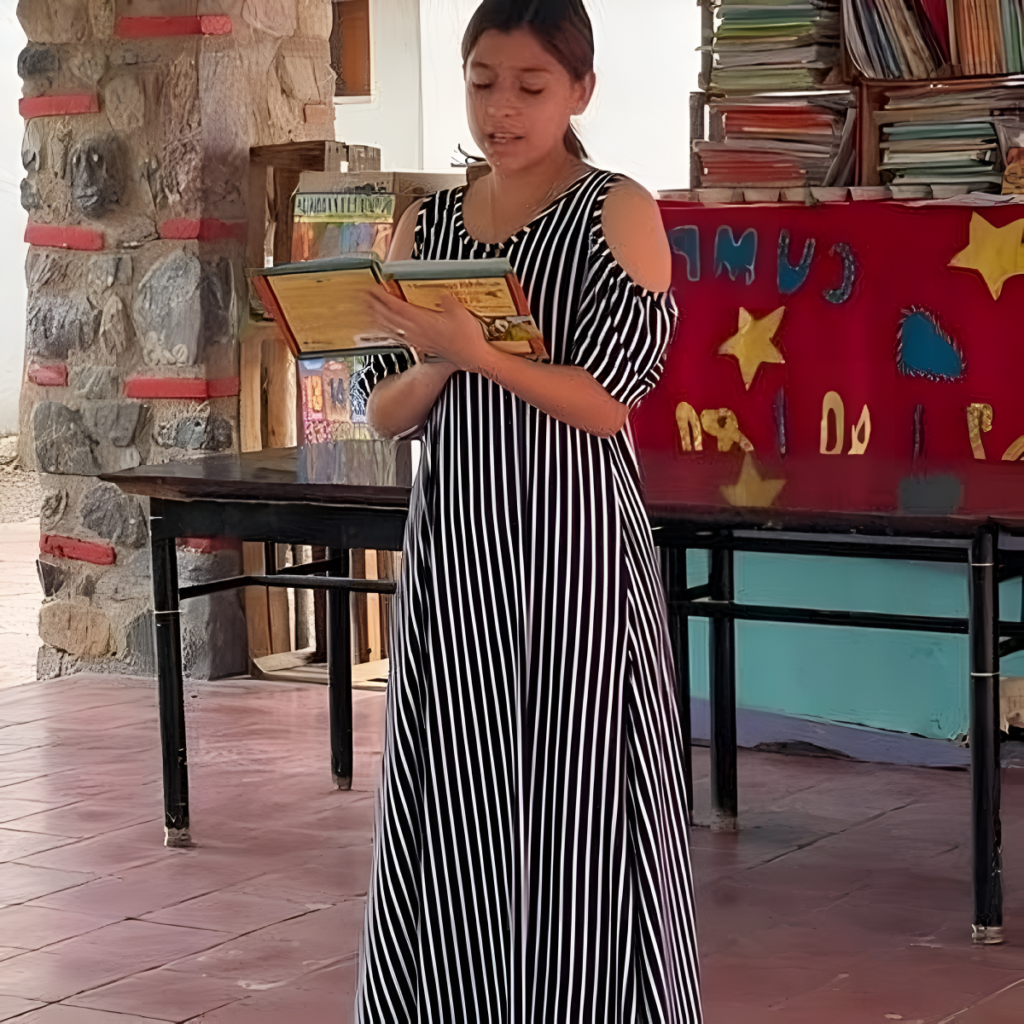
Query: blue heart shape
x=926 y=350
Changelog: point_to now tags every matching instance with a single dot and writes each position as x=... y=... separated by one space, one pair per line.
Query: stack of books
x=947 y=141
x=781 y=45
x=913 y=39
x=948 y=157
x=783 y=141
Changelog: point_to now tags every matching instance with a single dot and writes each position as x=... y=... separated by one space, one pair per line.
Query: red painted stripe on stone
x=56 y=236
x=53 y=106
x=180 y=387
x=224 y=387
x=205 y=229
x=78 y=550
x=49 y=375
x=187 y=25
x=209 y=545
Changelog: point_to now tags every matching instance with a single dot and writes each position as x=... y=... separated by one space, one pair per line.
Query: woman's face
x=519 y=99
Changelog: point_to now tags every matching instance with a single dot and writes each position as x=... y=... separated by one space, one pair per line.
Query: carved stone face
x=98 y=175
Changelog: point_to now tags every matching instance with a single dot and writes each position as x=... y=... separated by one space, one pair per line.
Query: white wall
x=12 y=220
x=391 y=118
x=647 y=66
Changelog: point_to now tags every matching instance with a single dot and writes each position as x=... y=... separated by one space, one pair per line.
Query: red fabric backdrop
x=851 y=348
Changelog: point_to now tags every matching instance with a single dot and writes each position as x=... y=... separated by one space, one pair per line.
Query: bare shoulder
x=404 y=238
x=636 y=235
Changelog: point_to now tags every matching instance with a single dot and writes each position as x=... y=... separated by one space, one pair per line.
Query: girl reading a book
x=531 y=861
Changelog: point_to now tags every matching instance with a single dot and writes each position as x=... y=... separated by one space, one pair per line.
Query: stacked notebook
x=773 y=46
x=782 y=141
x=962 y=154
x=934 y=38
x=951 y=140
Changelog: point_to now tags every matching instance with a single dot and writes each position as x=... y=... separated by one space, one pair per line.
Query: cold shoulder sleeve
x=623 y=330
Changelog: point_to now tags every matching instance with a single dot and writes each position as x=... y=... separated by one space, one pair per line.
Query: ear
x=584 y=93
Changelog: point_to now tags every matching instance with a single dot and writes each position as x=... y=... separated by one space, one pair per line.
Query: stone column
x=139 y=118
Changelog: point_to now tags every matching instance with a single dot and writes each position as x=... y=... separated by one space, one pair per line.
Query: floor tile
x=36 y=927
x=233 y=912
x=20 y=882
x=98 y=958
x=13 y=1006
x=162 y=993
x=14 y=844
x=61 y=1013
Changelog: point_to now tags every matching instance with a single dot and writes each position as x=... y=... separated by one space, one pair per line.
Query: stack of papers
x=781 y=141
x=963 y=153
x=773 y=46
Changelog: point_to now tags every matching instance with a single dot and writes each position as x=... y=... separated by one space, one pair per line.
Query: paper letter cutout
x=686 y=242
x=689 y=428
x=845 y=290
x=860 y=435
x=1015 y=451
x=926 y=350
x=790 y=277
x=735 y=256
x=780 y=421
x=751 y=490
x=722 y=423
x=832 y=405
x=979 y=420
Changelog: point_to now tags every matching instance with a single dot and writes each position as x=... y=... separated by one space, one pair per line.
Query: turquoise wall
x=884 y=679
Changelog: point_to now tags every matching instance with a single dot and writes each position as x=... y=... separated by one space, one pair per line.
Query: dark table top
x=278 y=475
x=275 y=474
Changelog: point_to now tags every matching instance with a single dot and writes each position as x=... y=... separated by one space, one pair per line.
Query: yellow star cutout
x=995 y=253
x=750 y=490
x=752 y=344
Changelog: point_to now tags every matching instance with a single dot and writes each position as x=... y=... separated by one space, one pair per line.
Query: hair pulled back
x=562 y=27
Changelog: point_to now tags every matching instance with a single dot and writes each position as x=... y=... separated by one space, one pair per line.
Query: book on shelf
x=781 y=45
x=321 y=306
x=783 y=141
x=922 y=39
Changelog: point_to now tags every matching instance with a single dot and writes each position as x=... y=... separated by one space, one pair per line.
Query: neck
x=555 y=170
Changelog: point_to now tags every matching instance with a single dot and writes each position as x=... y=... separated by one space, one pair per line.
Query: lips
x=502 y=138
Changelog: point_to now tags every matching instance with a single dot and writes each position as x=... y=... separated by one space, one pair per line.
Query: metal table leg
x=674 y=567
x=724 y=804
x=167 y=620
x=339 y=672
x=985 y=782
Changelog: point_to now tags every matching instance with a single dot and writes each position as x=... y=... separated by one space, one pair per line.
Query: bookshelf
x=890 y=124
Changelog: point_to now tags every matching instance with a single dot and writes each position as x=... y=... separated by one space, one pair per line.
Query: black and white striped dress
x=531 y=861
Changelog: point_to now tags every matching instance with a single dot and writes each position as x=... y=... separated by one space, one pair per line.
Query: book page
x=490 y=300
x=327 y=311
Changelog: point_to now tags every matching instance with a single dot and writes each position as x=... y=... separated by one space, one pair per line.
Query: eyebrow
x=522 y=71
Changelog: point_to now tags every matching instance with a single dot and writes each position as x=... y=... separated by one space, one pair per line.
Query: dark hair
x=562 y=27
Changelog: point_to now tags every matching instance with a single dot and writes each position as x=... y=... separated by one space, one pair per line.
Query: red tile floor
x=844 y=898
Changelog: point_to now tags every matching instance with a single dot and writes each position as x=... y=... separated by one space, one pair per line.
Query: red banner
x=856 y=357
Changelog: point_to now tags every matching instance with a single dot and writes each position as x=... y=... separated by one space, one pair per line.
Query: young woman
x=531 y=861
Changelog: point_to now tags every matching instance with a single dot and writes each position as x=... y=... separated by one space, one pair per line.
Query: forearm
x=567 y=393
x=403 y=401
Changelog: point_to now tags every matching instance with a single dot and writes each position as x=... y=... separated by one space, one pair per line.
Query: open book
x=321 y=304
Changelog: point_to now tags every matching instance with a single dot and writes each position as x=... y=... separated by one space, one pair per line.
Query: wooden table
x=260 y=497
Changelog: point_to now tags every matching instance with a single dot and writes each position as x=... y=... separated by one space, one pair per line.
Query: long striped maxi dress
x=531 y=862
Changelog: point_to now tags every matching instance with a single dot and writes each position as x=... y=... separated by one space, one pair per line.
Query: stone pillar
x=139 y=119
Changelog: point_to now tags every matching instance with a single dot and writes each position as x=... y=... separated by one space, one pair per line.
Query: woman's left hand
x=454 y=334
